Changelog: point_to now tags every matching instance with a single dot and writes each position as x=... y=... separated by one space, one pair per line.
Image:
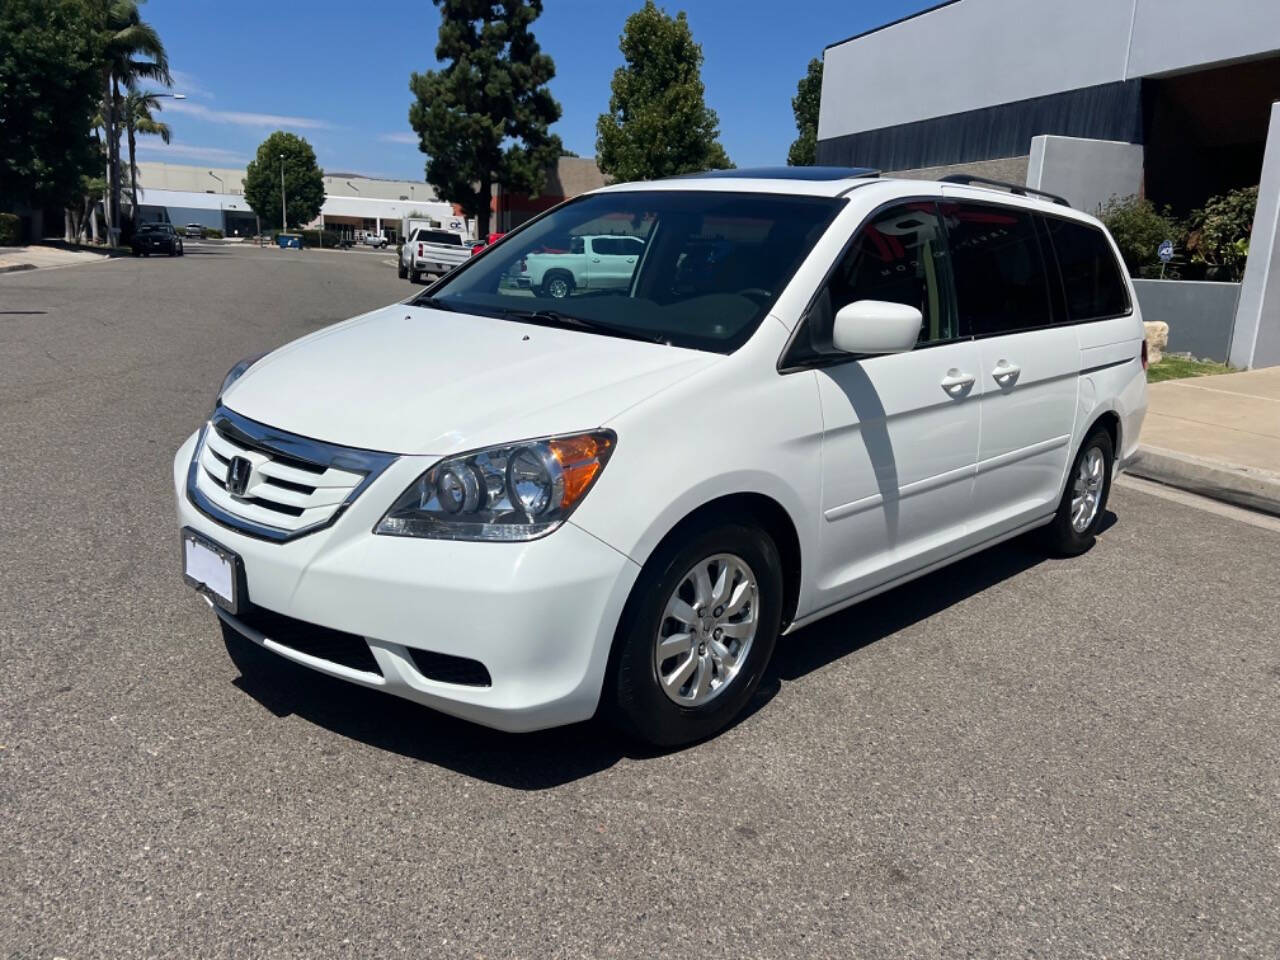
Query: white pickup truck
x=592 y=263
x=432 y=251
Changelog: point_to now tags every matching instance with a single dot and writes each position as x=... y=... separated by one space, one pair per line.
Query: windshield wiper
x=434 y=302
x=554 y=318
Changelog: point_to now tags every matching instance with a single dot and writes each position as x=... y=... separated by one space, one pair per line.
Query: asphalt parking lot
x=1013 y=757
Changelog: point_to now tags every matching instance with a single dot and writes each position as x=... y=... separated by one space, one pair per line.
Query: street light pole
x=284 y=228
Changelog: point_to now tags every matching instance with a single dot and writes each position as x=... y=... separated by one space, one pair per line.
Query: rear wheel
x=402 y=271
x=1080 y=512
x=557 y=286
x=697 y=635
x=415 y=276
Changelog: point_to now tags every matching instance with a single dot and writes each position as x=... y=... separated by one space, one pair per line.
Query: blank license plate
x=211 y=569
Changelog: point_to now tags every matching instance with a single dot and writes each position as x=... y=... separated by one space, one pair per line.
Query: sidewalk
x=34 y=257
x=1216 y=436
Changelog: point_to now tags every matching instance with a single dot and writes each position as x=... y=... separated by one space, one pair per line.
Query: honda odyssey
x=807 y=386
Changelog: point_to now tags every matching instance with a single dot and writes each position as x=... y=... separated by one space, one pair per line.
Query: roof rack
x=1021 y=190
x=782 y=173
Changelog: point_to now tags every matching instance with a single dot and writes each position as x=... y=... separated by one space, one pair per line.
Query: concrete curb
x=1243 y=486
x=15 y=267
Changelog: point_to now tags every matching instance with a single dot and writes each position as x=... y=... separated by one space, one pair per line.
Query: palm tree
x=133 y=52
x=138 y=119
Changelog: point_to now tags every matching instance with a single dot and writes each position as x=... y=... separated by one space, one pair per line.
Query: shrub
x=1219 y=234
x=1139 y=229
x=10 y=230
x=213 y=233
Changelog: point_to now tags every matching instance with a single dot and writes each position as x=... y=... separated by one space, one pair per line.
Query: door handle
x=957 y=382
x=595 y=259
x=1006 y=373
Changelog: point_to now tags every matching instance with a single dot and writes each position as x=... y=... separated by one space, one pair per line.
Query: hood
x=412 y=380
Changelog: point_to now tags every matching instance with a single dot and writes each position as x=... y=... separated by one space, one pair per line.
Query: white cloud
x=409 y=138
x=187 y=151
x=246 y=119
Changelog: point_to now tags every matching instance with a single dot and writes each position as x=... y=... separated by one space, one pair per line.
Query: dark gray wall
x=1199 y=315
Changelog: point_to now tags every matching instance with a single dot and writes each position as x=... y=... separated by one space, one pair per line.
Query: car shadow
x=550 y=758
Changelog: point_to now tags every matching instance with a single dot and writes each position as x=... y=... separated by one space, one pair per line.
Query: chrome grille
x=291 y=485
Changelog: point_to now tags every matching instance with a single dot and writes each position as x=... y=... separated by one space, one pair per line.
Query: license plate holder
x=214 y=571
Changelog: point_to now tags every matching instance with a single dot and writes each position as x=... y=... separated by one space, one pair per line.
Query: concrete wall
x=1173 y=35
x=1200 y=315
x=1256 y=340
x=1008 y=169
x=979 y=53
x=195 y=179
x=971 y=54
x=1087 y=172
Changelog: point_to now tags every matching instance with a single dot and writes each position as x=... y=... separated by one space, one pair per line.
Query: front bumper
x=539 y=615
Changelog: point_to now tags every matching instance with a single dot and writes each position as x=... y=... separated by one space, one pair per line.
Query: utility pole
x=284 y=228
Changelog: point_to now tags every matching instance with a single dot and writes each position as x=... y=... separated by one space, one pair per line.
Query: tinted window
x=616 y=246
x=1000 y=279
x=713 y=264
x=439 y=236
x=1090 y=276
x=900 y=255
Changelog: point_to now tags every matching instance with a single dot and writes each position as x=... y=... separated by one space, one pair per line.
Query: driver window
x=900 y=256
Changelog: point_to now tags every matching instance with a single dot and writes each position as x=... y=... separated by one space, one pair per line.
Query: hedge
x=10 y=230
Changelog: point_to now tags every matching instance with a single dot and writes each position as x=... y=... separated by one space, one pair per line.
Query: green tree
x=483 y=119
x=1220 y=232
x=1139 y=229
x=132 y=52
x=303 y=180
x=804 y=150
x=50 y=56
x=658 y=124
x=139 y=118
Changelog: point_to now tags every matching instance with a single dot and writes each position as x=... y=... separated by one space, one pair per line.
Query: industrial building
x=214 y=197
x=1174 y=100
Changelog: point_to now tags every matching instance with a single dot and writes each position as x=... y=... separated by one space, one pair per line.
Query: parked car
x=590 y=263
x=432 y=252
x=195 y=231
x=524 y=510
x=151 y=238
x=373 y=240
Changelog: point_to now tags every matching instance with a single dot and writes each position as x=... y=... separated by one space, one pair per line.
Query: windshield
x=693 y=268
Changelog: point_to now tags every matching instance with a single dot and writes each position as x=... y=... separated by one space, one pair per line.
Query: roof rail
x=967 y=179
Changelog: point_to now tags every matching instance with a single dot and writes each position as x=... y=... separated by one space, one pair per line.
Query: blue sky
x=338 y=73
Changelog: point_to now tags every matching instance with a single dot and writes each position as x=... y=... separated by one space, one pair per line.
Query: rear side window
x=439 y=236
x=1000 y=279
x=1090 y=276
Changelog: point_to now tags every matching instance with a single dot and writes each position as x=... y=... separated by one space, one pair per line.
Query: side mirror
x=876 y=326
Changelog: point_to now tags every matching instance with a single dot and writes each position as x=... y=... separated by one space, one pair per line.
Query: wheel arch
x=762 y=510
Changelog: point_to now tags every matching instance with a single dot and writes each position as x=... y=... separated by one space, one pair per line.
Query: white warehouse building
x=214 y=197
x=1174 y=100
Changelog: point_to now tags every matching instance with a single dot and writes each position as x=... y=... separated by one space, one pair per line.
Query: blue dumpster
x=289 y=240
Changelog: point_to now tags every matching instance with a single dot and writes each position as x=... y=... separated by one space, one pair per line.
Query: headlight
x=519 y=491
x=235 y=373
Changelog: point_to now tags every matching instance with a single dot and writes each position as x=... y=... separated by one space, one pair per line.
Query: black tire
x=1061 y=537
x=401 y=270
x=182 y=249
x=415 y=276
x=633 y=696
x=553 y=288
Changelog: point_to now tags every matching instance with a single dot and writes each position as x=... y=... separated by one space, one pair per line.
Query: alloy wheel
x=706 y=631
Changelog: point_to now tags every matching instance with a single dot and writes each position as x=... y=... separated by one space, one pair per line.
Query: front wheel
x=1080 y=513
x=697 y=634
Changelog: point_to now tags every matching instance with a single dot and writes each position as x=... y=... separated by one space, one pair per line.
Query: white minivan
x=815 y=385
